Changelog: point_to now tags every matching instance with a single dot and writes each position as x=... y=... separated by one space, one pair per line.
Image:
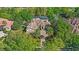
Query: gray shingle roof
x=41 y=17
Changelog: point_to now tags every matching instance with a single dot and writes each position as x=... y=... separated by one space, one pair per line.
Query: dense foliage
x=60 y=36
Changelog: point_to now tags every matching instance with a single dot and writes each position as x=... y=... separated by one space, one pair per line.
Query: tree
x=20 y=41
x=55 y=44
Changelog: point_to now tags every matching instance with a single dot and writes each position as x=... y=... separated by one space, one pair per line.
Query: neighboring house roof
x=75 y=25
x=74 y=22
x=8 y=23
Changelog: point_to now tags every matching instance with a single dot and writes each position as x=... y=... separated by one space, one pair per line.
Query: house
x=75 y=25
x=6 y=24
x=37 y=22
